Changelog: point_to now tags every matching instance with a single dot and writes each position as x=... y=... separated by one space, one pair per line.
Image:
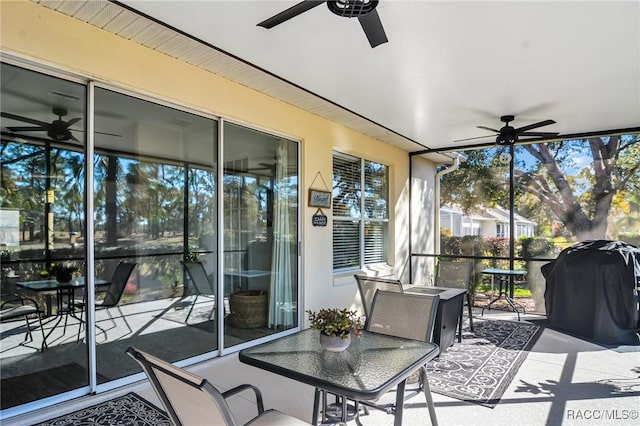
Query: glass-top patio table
x=52 y=285
x=62 y=289
x=373 y=364
x=65 y=295
x=506 y=286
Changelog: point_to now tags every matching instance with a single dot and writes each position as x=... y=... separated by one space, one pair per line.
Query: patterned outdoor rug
x=127 y=410
x=481 y=367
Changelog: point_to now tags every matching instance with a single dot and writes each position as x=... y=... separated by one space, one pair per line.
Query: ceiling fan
x=58 y=129
x=364 y=10
x=509 y=135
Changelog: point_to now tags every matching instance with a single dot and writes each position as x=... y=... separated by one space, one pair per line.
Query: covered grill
x=592 y=291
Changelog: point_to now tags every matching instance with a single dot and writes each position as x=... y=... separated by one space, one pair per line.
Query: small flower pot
x=64 y=276
x=335 y=343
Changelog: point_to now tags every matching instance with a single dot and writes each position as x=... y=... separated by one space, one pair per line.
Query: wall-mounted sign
x=318 y=198
x=319 y=219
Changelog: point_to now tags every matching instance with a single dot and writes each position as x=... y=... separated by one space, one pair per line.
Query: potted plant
x=336 y=327
x=5 y=255
x=192 y=256
x=63 y=271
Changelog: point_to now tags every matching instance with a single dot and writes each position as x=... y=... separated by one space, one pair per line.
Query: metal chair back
x=407 y=315
x=118 y=283
x=454 y=274
x=198 y=276
x=367 y=287
x=192 y=400
x=187 y=398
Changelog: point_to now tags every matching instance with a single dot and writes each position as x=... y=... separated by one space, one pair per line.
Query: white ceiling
x=448 y=66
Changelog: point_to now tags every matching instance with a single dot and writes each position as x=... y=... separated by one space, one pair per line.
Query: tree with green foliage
x=576 y=182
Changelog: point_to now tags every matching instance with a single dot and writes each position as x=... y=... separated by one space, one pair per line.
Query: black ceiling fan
x=364 y=10
x=509 y=135
x=58 y=129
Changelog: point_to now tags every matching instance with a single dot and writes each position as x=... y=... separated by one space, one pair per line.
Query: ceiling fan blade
x=477 y=137
x=73 y=121
x=534 y=126
x=99 y=133
x=27 y=129
x=488 y=128
x=542 y=134
x=373 y=28
x=287 y=14
x=24 y=119
x=109 y=134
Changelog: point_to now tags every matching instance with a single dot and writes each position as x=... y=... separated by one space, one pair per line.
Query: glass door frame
x=299 y=287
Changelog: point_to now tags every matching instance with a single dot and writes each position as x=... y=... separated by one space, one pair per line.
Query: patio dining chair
x=412 y=316
x=457 y=274
x=191 y=400
x=407 y=315
x=14 y=307
x=112 y=296
x=202 y=285
x=367 y=287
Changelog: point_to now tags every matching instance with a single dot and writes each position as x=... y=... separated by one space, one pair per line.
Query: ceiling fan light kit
x=352 y=8
x=364 y=10
x=59 y=129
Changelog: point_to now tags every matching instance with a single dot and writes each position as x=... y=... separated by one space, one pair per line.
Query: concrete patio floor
x=564 y=380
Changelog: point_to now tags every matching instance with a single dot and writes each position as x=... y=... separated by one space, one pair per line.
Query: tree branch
x=574 y=214
x=538 y=187
x=632 y=173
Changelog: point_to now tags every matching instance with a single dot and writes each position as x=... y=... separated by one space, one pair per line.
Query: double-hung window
x=360 y=212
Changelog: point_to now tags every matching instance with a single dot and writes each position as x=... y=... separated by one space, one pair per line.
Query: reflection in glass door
x=260 y=234
x=42 y=227
x=155 y=235
x=154 y=207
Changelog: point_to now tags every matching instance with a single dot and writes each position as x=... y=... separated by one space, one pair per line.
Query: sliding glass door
x=155 y=208
x=42 y=227
x=260 y=234
x=150 y=243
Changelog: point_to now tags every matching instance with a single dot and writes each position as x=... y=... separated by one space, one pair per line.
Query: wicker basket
x=248 y=309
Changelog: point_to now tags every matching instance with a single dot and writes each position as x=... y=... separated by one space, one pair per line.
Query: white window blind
x=360 y=212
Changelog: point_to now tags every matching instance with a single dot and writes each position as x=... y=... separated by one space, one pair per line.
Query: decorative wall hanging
x=319 y=219
x=321 y=199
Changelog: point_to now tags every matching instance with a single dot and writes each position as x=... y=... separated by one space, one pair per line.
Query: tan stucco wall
x=35 y=33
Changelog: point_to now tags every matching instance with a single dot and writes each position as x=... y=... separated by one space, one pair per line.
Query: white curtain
x=281 y=297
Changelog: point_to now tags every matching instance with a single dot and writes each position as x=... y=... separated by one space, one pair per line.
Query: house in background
x=484 y=222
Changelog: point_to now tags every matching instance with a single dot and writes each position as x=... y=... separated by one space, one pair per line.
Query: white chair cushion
x=16 y=312
x=275 y=418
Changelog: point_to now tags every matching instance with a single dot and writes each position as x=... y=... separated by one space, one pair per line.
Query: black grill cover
x=592 y=291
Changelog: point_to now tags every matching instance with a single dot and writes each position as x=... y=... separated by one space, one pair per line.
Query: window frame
x=361 y=217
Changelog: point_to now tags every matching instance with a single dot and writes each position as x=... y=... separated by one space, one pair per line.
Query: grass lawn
x=520 y=290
